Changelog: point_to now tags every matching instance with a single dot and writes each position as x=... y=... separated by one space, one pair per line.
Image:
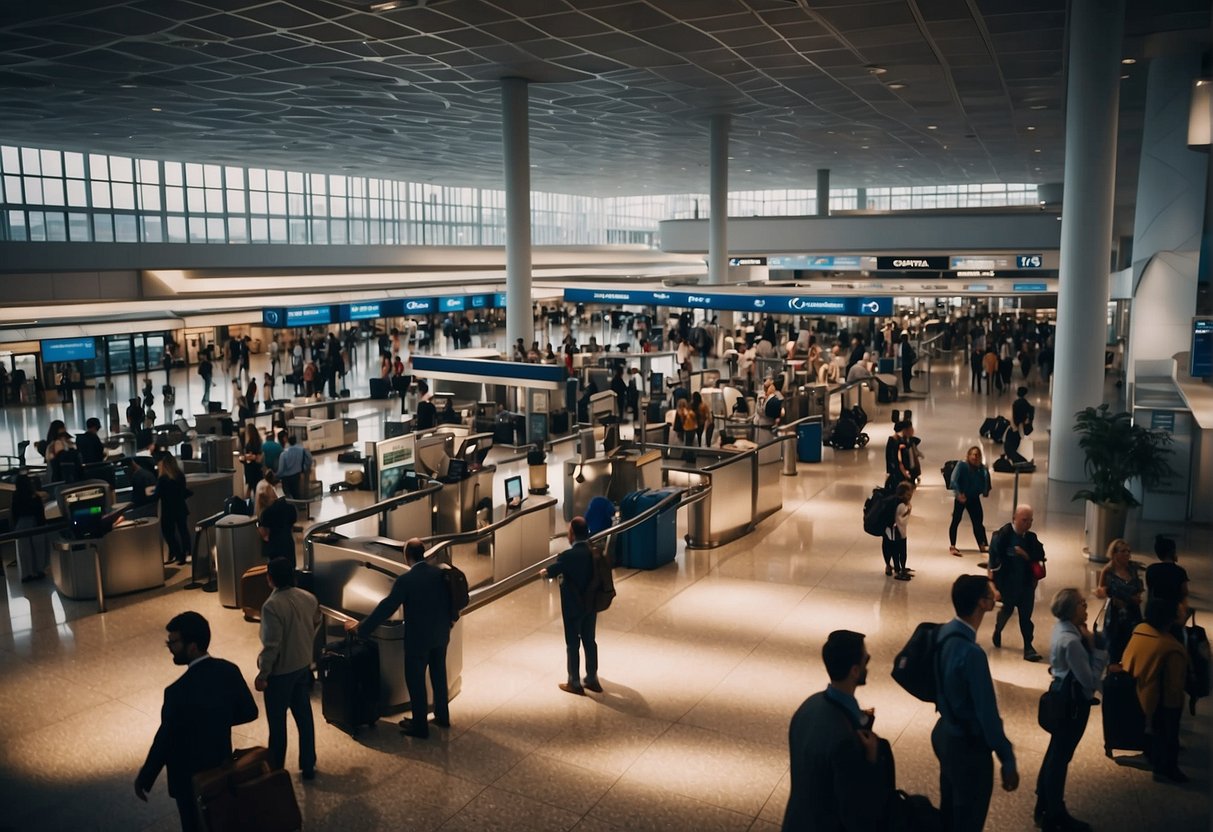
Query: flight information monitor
x=1201 y=361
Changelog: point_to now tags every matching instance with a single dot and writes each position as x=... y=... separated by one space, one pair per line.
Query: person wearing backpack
x=575 y=569
x=895 y=510
x=970 y=482
x=840 y=780
x=1013 y=551
x=969 y=726
x=423 y=593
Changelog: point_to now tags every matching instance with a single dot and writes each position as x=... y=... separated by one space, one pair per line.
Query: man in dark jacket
x=840 y=778
x=196 y=720
x=575 y=567
x=89 y=443
x=423 y=593
x=1012 y=551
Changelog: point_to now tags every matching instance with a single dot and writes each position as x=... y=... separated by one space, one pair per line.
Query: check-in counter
x=614 y=477
x=210 y=491
x=350 y=576
x=458 y=500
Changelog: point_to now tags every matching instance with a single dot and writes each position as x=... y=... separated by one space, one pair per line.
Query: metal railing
x=374 y=510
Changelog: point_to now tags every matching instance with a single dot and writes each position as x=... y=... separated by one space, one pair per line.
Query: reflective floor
x=703 y=663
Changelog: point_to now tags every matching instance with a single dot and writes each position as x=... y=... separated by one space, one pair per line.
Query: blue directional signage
x=417 y=306
x=456 y=303
x=309 y=315
x=1029 y=261
x=364 y=311
x=273 y=317
x=1029 y=287
x=68 y=349
x=818 y=262
x=482 y=368
x=776 y=304
x=481 y=301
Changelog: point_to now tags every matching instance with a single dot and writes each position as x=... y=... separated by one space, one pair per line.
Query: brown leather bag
x=254 y=590
x=245 y=795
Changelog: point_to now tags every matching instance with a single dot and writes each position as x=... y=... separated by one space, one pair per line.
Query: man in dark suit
x=575 y=565
x=423 y=593
x=196 y=720
x=1013 y=549
x=89 y=443
x=840 y=778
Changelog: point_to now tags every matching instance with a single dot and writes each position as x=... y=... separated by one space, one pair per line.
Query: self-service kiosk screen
x=513 y=492
x=86 y=511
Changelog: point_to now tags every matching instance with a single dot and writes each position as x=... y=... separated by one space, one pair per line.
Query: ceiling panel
x=622 y=90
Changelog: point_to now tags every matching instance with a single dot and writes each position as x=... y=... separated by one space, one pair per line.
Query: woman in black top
x=28 y=512
x=251 y=458
x=172 y=492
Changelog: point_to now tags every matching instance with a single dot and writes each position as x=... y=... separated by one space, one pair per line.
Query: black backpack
x=601 y=590
x=915 y=667
x=457 y=587
x=1197 y=683
x=879 y=512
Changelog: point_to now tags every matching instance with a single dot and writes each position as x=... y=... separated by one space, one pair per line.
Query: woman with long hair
x=1120 y=582
x=171 y=492
x=251 y=457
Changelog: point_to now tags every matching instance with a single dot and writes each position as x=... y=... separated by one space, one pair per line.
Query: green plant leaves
x=1118 y=451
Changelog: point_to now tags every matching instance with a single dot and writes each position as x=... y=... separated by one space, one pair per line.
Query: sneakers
x=954 y=552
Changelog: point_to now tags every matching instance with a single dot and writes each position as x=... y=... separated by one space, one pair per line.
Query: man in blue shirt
x=969 y=725
x=293 y=466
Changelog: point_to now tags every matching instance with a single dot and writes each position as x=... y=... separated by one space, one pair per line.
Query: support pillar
x=823 y=192
x=515 y=135
x=718 y=197
x=1092 y=105
x=861 y=199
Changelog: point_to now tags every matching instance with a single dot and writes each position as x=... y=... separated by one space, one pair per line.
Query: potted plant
x=1117 y=452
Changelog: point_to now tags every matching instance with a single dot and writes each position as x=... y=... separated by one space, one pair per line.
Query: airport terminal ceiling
x=882 y=92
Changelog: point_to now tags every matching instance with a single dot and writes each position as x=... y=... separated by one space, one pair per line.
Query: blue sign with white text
x=363 y=311
x=499 y=300
x=417 y=306
x=452 y=304
x=1029 y=261
x=308 y=315
x=778 y=304
x=68 y=349
x=1030 y=287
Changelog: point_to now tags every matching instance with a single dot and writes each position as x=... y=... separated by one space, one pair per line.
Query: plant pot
x=1104 y=523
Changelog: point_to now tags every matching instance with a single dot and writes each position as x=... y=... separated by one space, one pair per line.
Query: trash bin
x=237 y=549
x=808 y=442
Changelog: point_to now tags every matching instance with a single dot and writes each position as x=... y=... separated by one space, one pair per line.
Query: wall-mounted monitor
x=1200 y=363
x=55 y=350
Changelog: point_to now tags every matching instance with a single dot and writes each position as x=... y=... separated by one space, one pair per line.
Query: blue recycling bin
x=808 y=442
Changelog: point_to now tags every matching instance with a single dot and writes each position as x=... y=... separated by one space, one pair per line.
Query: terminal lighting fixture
x=385 y=7
x=932 y=126
x=876 y=70
x=1128 y=61
x=897 y=86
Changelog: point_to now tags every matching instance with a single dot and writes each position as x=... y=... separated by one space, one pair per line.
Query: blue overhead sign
x=452 y=304
x=308 y=315
x=820 y=262
x=364 y=311
x=1029 y=287
x=68 y=349
x=486 y=368
x=417 y=306
x=774 y=304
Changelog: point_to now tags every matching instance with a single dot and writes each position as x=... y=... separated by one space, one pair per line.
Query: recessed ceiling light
x=864 y=147
x=876 y=70
x=932 y=126
x=749 y=170
x=1128 y=61
x=385 y=6
x=155 y=109
x=1030 y=127
x=897 y=86
x=1124 y=77
x=1037 y=150
x=1039 y=107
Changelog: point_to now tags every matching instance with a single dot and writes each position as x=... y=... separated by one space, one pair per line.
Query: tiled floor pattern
x=703 y=663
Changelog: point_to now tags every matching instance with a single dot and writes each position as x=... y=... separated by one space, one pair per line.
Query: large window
x=51 y=195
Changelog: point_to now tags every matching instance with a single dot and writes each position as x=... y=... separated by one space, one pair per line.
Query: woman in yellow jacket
x=1159 y=664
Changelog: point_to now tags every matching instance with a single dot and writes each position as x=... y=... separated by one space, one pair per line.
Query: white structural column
x=515 y=135
x=823 y=192
x=1092 y=103
x=718 y=201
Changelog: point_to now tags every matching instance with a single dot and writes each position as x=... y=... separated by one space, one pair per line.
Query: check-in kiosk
x=123 y=554
x=464 y=482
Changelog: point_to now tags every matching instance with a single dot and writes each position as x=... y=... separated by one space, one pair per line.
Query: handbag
x=1038 y=570
x=1058 y=705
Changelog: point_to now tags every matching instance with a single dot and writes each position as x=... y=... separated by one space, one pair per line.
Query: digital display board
x=393 y=457
x=910 y=262
x=363 y=311
x=816 y=262
x=782 y=304
x=1200 y=363
x=1029 y=261
x=308 y=315
x=55 y=350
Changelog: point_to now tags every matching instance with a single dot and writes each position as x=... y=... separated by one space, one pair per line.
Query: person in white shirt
x=290 y=618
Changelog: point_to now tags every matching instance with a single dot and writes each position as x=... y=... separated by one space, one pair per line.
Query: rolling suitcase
x=808 y=442
x=380 y=388
x=1124 y=725
x=349 y=677
x=254 y=590
x=654 y=542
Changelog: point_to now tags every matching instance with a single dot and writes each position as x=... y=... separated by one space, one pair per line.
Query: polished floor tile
x=703 y=663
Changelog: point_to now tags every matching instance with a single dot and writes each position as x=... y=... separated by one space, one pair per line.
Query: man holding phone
x=840 y=777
